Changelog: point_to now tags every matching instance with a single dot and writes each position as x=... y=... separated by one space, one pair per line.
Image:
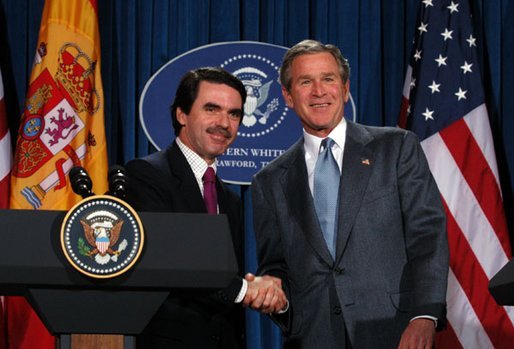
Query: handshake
x=265 y=294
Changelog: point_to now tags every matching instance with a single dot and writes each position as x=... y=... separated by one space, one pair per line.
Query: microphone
x=80 y=182
x=118 y=182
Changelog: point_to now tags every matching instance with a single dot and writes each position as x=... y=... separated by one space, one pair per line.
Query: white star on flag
x=453 y=7
x=428 y=114
x=434 y=87
x=461 y=94
x=471 y=40
x=423 y=28
x=466 y=67
x=441 y=60
x=447 y=34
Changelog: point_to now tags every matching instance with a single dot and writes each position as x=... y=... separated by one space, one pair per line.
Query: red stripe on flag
x=402 y=120
x=4 y=189
x=447 y=339
x=474 y=282
x=475 y=169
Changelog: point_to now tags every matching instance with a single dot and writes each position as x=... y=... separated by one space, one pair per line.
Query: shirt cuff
x=285 y=309
x=434 y=319
x=241 y=295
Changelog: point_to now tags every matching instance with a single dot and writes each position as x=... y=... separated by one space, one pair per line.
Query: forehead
x=209 y=92
x=313 y=64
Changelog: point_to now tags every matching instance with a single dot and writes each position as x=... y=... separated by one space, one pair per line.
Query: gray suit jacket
x=392 y=251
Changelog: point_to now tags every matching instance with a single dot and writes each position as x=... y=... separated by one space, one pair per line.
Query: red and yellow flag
x=62 y=126
x=63 y=121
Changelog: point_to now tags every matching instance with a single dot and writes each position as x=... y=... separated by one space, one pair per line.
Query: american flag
x=443 y=103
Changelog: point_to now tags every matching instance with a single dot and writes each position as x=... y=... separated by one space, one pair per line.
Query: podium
x=182 y=252
x=501 y=285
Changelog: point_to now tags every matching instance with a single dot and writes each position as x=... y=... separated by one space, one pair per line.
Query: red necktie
x=209 y=191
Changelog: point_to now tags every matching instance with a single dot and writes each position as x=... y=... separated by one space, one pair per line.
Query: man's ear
x=181 y=117
x=346 y=90
x=287 y=97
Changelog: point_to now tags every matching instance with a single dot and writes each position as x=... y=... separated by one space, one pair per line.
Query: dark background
x=139 y=36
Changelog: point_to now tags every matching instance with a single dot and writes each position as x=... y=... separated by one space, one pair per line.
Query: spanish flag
x=62 y=126
x=63 y=120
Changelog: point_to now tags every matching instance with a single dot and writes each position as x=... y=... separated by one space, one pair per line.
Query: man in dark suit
x=206 y=115
x=373 y=273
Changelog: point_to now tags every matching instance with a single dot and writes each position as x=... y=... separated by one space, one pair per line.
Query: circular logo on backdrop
x=268 y=127
x=102 y=236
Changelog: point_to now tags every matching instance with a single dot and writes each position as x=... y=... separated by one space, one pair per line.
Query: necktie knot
x=210 y=196
x=326 y=144
x=209 y=176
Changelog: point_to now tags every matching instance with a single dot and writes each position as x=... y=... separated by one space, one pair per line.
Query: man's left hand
x=419 y=334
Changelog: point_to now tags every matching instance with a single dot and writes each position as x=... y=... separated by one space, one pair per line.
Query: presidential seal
x=102 y=236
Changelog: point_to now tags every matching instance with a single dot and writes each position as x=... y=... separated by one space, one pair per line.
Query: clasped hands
x=264 y=294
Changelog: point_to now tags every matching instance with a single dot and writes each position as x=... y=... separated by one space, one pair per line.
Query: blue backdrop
x=139 y=36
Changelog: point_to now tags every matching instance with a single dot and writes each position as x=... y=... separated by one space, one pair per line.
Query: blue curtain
x=139 y=36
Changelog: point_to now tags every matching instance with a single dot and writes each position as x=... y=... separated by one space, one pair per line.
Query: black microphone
x=118 y=182
x=80 y=182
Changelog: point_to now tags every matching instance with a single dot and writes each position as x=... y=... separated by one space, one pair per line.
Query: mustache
x=219 y=131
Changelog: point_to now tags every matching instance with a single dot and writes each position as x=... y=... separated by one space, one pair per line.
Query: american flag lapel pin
x=365 y=162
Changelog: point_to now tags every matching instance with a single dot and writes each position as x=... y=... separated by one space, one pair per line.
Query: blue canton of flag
x=447 y=82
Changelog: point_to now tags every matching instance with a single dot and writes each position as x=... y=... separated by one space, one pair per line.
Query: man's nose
x=224 y=119
x=318 y=89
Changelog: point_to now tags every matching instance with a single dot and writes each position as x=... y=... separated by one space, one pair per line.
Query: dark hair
x=306 y=47
x=187 y=90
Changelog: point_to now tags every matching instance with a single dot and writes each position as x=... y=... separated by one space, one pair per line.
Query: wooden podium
x=182 y=252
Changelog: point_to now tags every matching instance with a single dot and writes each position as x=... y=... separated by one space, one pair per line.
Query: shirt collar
x=198 y=165
x=312 y=143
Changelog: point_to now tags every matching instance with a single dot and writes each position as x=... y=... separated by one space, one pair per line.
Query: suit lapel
x=181 y=171
x=357 y=167
x=299 y=200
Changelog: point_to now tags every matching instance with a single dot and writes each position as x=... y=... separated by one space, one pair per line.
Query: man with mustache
x=206 y=115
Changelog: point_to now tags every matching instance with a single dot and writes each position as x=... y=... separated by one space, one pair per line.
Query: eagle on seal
x=102 y=236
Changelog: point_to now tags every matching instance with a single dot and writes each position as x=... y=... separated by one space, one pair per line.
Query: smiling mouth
x=320 y=105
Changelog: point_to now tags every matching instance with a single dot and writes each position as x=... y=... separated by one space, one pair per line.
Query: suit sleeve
x=425 y=230
x=269 y=246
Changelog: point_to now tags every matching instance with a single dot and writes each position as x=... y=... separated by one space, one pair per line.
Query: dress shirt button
x=337 y=310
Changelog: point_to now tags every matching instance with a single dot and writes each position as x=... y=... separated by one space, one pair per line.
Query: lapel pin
x=365 y=162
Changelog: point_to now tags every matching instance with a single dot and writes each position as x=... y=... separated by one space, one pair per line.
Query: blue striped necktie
x=326 y=191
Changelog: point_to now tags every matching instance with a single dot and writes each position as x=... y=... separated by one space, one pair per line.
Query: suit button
x=339 y=271
x=337 y=310
x=215 y=338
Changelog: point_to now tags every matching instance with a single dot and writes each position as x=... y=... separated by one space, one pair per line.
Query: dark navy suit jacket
x=392 y=252
x=164 y=182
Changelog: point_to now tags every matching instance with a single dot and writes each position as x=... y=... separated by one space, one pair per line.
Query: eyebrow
x=323 y=74
x=212 y=105
x=237 y=111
